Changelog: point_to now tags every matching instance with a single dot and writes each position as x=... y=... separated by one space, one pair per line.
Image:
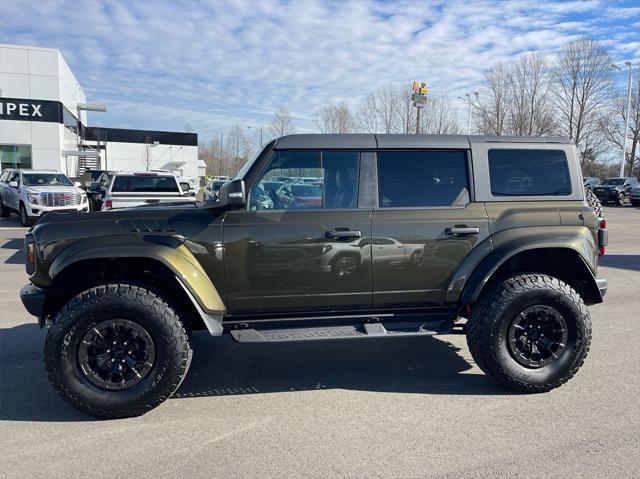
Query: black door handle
x=342 y=234
x=462 y=230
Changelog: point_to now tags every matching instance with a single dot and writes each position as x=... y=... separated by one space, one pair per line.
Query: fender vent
x=146 y=225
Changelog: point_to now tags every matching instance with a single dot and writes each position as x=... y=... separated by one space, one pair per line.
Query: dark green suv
x=353 y=237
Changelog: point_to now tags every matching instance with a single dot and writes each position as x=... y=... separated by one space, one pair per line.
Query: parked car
x=591 y=181
x=89 y=177
x=33 y=193
x=97 y=189
x=615 y=189
x=404 y=242
x=134 y=189
x=634 y=195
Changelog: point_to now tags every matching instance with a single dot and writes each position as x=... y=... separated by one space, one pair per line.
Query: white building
x=43 y=124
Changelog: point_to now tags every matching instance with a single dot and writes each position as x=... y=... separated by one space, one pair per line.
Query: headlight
x=34 y=199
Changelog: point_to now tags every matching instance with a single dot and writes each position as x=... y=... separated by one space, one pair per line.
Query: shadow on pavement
x=622 y=261
x=221 y=367
x=16 y=244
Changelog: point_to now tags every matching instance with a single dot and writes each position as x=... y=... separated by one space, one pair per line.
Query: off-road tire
x=173 y=350
x=594 y=203
x=493 y=314
x=25 y=219
x=4 y=211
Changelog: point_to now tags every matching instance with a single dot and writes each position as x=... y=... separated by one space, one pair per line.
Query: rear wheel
x=595 y=204
x=117 y=351
x=530 y=332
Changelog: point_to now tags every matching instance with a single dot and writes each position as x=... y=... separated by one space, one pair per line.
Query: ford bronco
x=400 y=235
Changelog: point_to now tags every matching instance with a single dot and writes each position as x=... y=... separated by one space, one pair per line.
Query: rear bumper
x=33 y=299
x=603 y=284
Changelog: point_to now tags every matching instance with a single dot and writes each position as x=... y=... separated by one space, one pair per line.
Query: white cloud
x=160 y=64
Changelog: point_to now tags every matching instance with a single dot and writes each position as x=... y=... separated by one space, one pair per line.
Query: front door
x=302 y=244
x=424 y=226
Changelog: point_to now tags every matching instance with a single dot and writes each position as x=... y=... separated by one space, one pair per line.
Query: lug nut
x=113 y=360
x=122 y=361
x=129 y=352
x=108 y=351
x=114 y=343
x=125 y=343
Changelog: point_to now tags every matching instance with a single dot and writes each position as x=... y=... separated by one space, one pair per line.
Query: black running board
x=356 y=331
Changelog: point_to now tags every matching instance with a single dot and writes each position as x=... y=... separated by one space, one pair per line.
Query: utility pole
x=221 y=143
x=469 y=101
x=626 y=118
x=419 y=99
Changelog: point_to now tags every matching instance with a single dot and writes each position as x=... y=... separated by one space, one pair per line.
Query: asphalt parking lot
x=415 y=407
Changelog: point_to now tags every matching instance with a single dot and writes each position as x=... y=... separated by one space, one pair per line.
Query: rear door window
x=520 y=172
x=421 y=178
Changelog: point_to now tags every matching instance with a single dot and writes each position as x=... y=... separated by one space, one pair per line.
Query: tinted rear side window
x=145 y=184
x=529 y=173
x=421 y=178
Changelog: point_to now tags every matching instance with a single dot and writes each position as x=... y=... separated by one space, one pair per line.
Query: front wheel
x=25 y=219
x=116 y=351
x=530 y=332
x=620 y=199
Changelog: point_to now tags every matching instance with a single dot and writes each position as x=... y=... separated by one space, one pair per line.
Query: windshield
x=45 y=179
x=614 y=181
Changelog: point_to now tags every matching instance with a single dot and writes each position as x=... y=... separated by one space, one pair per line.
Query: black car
x=615 y=189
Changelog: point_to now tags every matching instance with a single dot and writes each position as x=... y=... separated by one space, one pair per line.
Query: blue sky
x=160 y=64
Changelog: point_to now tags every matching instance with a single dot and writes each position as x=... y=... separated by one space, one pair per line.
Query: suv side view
x=354 y=237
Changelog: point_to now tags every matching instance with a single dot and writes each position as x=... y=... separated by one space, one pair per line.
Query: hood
x=607 y=187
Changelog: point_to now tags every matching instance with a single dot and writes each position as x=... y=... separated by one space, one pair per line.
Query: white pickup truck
x=136 y=189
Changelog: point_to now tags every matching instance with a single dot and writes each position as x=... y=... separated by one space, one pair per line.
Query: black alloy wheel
x=116 y=354
x=537 y=336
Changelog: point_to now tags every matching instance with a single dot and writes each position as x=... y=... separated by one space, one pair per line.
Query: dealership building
x=43 y=124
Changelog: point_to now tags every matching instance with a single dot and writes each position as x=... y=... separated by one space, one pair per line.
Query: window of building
x=520 y=172
x=307 y=180
x=421 y=178
x=15 y=156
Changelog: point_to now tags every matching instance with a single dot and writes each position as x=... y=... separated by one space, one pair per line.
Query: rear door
x=424 y=226
x=300 y=245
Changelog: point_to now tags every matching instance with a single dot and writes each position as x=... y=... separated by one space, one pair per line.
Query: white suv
x=32 y=193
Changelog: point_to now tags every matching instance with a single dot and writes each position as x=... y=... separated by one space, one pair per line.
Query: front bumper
x=609 y=195
x=33 y=299
x=603 y=284
x=38 y=210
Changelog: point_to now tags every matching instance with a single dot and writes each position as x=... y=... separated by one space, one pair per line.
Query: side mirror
x=13 y=184
x=233 y=195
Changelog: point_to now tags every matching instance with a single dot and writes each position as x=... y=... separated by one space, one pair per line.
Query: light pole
x=626 y=117
x=469 y=101
x=256 y=128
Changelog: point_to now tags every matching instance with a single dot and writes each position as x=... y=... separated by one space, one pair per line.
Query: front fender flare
x=170 y=251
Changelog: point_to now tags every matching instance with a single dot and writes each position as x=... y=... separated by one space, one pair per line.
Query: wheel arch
x=562 y=262
x=163 y=265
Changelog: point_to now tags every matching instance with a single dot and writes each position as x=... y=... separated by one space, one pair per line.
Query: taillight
x=108 y=204
x=31 y=259
x=603 y=237
x=603 y=223
x=603 y=250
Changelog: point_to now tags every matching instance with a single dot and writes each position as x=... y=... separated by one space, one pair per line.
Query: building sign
x=30 y=110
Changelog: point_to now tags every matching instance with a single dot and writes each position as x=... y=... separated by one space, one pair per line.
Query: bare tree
x=386 y=99
x=335 y=119
x=404 y=110
x=530 y=107
x=439 y=117
x=281 y=123
x=367 y=116
x=492 y=110
x=582 y=83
